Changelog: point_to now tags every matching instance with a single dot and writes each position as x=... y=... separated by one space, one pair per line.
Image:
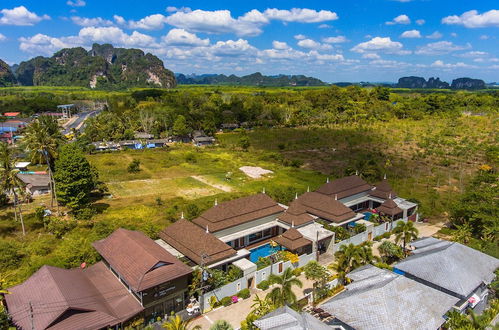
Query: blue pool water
x=262 y=251
x=367 y=215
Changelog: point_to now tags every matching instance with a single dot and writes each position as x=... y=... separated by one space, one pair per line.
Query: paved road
x=80 y=120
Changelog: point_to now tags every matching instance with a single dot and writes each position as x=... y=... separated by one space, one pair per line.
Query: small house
x=199 y=138
x=36 y=184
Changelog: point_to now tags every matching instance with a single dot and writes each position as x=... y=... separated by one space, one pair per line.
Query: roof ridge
x=239 y=214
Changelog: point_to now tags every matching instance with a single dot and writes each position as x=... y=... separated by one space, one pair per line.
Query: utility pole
x=31 y=316
x=52 y=182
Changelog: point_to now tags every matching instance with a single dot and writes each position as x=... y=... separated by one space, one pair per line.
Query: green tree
x=4 y=318
x=316 y=272
x=180 y=127
x=10 y=182
x=74 y=177
x=405 y=232
x=348 y=257
x=175 y=322
x=221 y=325
x=283 y=293
x=390 y=252
x=134 y=166
x=244 y=142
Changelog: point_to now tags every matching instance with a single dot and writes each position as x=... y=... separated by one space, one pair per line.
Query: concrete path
x=236 y=313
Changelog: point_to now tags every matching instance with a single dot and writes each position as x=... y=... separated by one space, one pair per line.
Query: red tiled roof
x=325 y=207
x=193 y=241
x=140 y=261
x=91 y=298
x=238 y=211
x=344 y=187
x=383 y=190
x=11 y=114
x=389 y=207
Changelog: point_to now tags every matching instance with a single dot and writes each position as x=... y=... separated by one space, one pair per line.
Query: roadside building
x=199 y=138
x=11 y=114
x=452 y=268
x=36 y=184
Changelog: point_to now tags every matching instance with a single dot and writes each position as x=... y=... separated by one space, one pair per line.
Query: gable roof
x=450 y=265
x=89 y=298
x=380 y=299
x=383 y=190
x=389 y=207
x=235 y=212
x=135 y=257
x=193 y=241
x=292 y=239
x=344 y=187
x=325 y=207
x=286 y=318
x=296 y=214
x=35 y=180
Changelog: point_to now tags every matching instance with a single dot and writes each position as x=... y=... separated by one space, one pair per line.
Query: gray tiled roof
x=380 y=299
x=285 y=318
x=450 y=265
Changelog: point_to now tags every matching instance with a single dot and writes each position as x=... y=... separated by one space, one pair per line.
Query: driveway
x=236 y=313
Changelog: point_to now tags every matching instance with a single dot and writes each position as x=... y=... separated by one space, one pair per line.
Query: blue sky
x=364 y=40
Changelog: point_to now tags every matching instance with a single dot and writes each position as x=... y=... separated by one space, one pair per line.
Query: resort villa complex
x=250 y=227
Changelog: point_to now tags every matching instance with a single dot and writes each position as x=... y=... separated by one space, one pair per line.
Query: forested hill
x=102 y=67
x=255 y=79
x=7 y=78
x=436 y=83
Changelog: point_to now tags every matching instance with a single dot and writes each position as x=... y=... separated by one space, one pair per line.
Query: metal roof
x=380 y=299
x=285 y=318
x=450 y=265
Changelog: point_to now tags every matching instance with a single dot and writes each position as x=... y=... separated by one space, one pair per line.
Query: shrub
x=221 y=325
x=4 y=200
x=134 y=166
x=214 y=303
x=359 y=228
x=58 y=227
x=263 y=285
x=297 y=271
x=244 y=294
x=226 y=301
x=384 y=266
x=262 y=263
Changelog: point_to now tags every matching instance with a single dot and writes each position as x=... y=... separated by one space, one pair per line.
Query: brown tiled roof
x=292 y=239
x=325 y=207
x=91 y=298
x=238 y=211
x=140 y=261
x=389 y=207
x=383 y=190
x=344 y=187
x=193 y=241
x=296 y=215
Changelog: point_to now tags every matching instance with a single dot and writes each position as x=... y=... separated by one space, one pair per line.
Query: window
x=267 y=232
x=238 y=286
x=255 y=236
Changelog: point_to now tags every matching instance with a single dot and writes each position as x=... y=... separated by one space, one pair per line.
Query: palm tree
x=283 y=294
x=261 y=306
x=366 y=253
x=221 y=325
x=175 y=322
x=42 y=139
x=405 y=232
x=9 y=180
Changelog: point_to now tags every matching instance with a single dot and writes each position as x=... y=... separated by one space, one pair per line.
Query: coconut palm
x=261 y=306
x=351 y=256
x=10 y=182
x=221 y=325
x=405 y=232
x=42 y=139
x=366 y=253
x=175 y=322
x=283 y=293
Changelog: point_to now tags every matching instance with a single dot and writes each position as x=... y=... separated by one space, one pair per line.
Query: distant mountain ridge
x=436 y=83
x=255 y=79
x=7 y=77
x=101 y=67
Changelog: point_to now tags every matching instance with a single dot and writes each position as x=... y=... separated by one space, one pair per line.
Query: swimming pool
x=262 y=251
x=368 y=215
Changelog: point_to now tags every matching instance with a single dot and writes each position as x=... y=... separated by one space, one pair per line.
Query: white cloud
x=279 y=45
x=400 y=19
x=442 y=64
x=453 y=34
x=435 y=35
x=20 y=16
x=300 y=37
x=335 y=40
x=180 y=37
x=312 y=44
x=76 y=3
x=96 y=21
x=411 y=34
x=324 y=26
x=116 y=36
x=371 y=56
x=233 y=48
x=475 y=53
x=420 y=21
x=217 y=22
x=439 y=48
x=151 y=22
x=302 y=15
x=389 y=64
x=172 y=9
x=41 y=44
x=472 y=19
x=2 y=37
x=326 y=57
x=380 y=44
x=484 y=37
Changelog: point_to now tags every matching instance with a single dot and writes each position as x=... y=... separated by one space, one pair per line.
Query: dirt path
x=211 y=184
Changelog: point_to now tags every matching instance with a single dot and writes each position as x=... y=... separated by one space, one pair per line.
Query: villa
x=453 y=268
